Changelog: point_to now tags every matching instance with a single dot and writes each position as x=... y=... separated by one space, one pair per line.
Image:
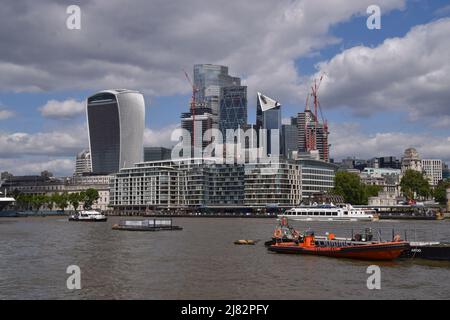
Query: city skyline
x=42 y=113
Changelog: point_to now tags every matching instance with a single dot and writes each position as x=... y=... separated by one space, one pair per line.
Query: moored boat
x=146 y=225
x=88 y=216
x=342 y=248
x=428 y=250
x=329 y=213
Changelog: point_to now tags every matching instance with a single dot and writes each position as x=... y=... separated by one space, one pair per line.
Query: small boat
x=146 y=225
x=283 y=233
x=245 y=242
x=342 y=248
x=329 y=213
x=88 y=216
x=428 y=250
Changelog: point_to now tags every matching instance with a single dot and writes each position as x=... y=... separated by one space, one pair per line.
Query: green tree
x=23 y=201
x=440 y=192
x=74 y=199
x=37 y=201
x=60 y=200
x=90 y=196
x=415 y=184
x=349 y=186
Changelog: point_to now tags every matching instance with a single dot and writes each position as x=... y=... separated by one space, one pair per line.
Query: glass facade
x=209 y=79
x=116 y=129
x=289 y=140
x=157 y=153
x=269 y=120
x=233 y=108
x=104 y=133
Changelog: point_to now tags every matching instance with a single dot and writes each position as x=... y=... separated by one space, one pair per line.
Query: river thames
x=201 y=262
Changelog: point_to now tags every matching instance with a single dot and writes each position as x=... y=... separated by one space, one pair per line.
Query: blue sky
x=165 y=105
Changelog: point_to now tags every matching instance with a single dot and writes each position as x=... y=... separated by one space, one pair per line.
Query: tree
x=415 y=184
x=37 y=201
x=90 y=196
x=440 y=192
x=349 y=186
x=75 y=199
x=60 y=200
x=23 y=201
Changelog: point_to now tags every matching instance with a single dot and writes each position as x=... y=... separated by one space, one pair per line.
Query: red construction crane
x=194 y=90
x=311 y=135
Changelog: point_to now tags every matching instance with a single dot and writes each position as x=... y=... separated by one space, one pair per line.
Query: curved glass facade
x=116 y=121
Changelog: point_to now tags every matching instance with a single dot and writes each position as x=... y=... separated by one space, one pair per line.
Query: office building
x=433 y=170
x=83 y=164
x=268 y=117
x=317 y=176
x=157 y=154
x=233 y=108
x=209 y=79
x=116 y=122
x=289 y=139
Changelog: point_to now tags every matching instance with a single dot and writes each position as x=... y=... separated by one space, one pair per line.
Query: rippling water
x=200 y=262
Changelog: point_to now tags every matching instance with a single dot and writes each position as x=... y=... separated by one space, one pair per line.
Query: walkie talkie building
x=116 y=122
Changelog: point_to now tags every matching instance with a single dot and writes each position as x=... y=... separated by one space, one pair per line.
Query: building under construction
x=312 y=131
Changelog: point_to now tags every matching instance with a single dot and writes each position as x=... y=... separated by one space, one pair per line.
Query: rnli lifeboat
x=332 y=247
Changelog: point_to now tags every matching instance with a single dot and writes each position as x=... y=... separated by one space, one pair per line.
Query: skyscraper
x=289 y=139
x=233 y=108
x=268 y=117
x=209 y=79
x=116 y=122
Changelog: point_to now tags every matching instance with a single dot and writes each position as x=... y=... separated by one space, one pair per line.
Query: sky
x=384 y=90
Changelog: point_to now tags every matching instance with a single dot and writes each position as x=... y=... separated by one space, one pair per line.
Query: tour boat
x=88 y=216
x=339 y=248
x=329 y=212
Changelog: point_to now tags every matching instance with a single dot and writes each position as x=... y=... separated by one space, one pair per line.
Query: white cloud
x=65 y=142
x=59 y=167
x=146 y=46
x=348 y=140
x=160 y=137
x=6 y=114
x=410 y=74
x=63 y=109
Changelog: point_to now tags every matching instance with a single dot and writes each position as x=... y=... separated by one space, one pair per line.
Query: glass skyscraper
x=116 y=122
x=233 y=108
x=270 y=120
x=209 y=79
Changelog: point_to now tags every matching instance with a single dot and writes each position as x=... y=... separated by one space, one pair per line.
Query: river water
x=201 y=262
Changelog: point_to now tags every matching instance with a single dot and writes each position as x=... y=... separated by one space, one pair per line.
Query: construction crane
x=194 y=91
x=311 y=135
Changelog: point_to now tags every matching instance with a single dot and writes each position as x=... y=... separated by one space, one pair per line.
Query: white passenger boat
x=88 y=216
x=329 y=212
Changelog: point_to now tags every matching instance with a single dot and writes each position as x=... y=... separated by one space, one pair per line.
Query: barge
x=146 y=225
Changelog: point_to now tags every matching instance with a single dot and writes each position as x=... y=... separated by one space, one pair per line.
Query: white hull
x=328 y=213
x=325 y=219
